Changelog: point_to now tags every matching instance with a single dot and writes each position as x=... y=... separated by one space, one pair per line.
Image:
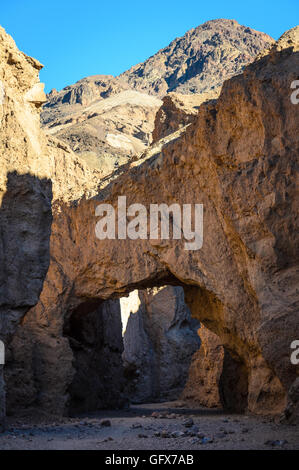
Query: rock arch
x=238 y=159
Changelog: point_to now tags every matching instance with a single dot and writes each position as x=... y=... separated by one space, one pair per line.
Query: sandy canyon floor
x=158 y=426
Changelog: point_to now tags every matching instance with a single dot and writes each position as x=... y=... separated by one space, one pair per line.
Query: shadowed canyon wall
x=239 y=159
x=25 y=193
x=107 y=119
x=67 y=368
x=216 y=379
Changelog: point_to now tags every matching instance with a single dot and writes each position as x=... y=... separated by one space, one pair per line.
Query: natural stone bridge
x=239 y=159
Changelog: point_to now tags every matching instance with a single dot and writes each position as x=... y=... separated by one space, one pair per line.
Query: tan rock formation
x=67 y=365
x=34 y=171
x=25 y=192
x=178 y=111
x=239 y=158
x=205 y=371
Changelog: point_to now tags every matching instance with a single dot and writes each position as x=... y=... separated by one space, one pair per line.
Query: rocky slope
x=239 y=158
x=106 y=119
x=102 y=120
x=200 y=60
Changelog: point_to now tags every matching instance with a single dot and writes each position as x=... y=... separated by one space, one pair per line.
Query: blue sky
x=75 y=38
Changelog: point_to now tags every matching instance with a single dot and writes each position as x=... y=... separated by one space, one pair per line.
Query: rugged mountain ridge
x=199 y=61
x=106 y=120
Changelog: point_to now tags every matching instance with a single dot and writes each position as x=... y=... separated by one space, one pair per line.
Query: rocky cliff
x=204 y=375
x=25 y=192
x=35 y=172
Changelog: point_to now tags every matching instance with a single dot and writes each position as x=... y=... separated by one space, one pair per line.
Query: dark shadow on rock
x=95 y=336
x=25 y=228
x=233 y=384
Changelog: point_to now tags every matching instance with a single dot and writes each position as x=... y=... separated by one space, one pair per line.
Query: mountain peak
x=200 y=60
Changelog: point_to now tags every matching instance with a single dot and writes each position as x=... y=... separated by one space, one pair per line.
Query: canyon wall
x=203 y=383
x=67 y=367
x=159 y=341
x=106 y=120
x=25 y=193
x=34 y=172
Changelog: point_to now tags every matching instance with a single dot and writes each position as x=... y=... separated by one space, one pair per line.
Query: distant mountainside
x=200 y=60
x=102 y=120
x=108 y=119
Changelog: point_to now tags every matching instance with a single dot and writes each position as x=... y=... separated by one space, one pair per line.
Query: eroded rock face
x=178 y=111
x=217 y=377
x=107 y=120
x=67 y=365
x=239 y=158
x=34 y=171
x=25 y=193
x=159 y=341
x=292 y=410
x=205 y=371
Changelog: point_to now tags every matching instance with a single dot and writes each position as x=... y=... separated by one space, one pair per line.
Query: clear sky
x=77 y=38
